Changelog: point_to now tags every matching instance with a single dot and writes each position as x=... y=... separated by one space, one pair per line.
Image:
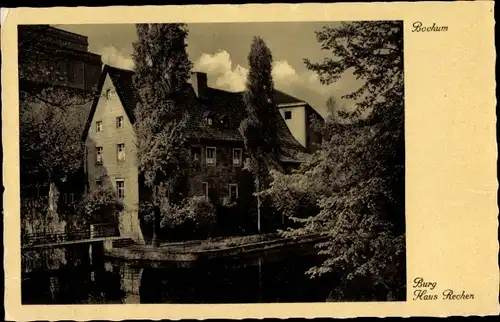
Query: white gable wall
x=111 y=169
x=297 y=124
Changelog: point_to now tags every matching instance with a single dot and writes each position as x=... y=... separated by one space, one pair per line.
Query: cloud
x=219 y=67
x=113 y=57
x=218 y=63
x=284 y=74
x=233 y=80
x=304 y=85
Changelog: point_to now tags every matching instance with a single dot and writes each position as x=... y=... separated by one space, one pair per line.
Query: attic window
x=207 y=116
x=288 y=115
x=119 y=122
x=108 y=93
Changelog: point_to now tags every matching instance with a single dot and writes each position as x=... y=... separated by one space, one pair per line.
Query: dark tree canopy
x=162 y=71
x=352 y=189
x=372 y=51
x=52 y=115
x=259 y=127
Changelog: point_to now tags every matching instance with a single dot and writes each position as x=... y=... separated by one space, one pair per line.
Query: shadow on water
x=218 y=282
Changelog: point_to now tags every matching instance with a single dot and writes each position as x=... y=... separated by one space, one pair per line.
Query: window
x=71 y=73
x=204 y=188
x=210 y=156
x=288 y=115
x=233 y=191
x=99 y=155
x=45 y=69
x=98 y=183
x=120 y=187
x=108 y=93
x=196 y=153
x=53 y=70
x=120 y=152
x=119 y=122
x=98 y=126
x=61 y=71
x=68 y=197
x=79 y=73
x=237 y=157
x=207 y=116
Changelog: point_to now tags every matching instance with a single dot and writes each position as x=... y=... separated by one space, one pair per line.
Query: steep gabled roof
x=216 y=104
x=283 y=98
x=122 y=81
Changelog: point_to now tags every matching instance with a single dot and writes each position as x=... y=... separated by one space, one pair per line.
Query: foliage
x=234 y=241
x=162 y=69
x=259 y=127
x=102 y=206
x=50 y=140
x=34 y=215
x=51 y=117
x=352 y=189
x=196 y=212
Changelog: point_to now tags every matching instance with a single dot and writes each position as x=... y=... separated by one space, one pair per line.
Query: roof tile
x=215 y=104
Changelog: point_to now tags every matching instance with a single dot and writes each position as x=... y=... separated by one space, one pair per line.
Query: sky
x=221 y=50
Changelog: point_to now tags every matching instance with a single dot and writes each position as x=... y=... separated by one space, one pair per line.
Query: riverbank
x=228 y=248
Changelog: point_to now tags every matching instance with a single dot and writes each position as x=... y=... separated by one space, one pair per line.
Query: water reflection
x=216 y=282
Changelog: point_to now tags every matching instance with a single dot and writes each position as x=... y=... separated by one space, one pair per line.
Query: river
x=110 y=281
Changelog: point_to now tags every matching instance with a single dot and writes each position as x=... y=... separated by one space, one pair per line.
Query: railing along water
x=92 y=231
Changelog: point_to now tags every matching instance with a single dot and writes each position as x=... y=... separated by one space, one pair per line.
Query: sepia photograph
x=252 y=162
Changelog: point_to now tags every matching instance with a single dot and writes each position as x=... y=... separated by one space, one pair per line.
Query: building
x=54 y=65
x=52 y=56
x=213 y=135
x=58 y=61
x=298 y=116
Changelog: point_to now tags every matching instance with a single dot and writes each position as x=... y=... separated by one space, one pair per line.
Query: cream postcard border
x=451 y=154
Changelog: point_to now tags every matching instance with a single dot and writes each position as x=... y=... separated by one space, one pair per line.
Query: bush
x=102 y=206
x=194 y=215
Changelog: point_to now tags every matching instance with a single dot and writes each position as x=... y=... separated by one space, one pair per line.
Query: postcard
x=250 y=161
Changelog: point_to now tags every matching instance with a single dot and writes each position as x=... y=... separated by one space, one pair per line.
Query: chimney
x=199 y=83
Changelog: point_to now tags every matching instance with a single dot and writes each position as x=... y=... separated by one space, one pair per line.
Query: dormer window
x=207 y=116
x=108 y=93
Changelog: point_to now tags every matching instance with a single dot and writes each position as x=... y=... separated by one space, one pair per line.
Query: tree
x=51 y=148
x=259 y=127
x=52 y=117
x=101 y=206
x=162 y=70
x=353 y=187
